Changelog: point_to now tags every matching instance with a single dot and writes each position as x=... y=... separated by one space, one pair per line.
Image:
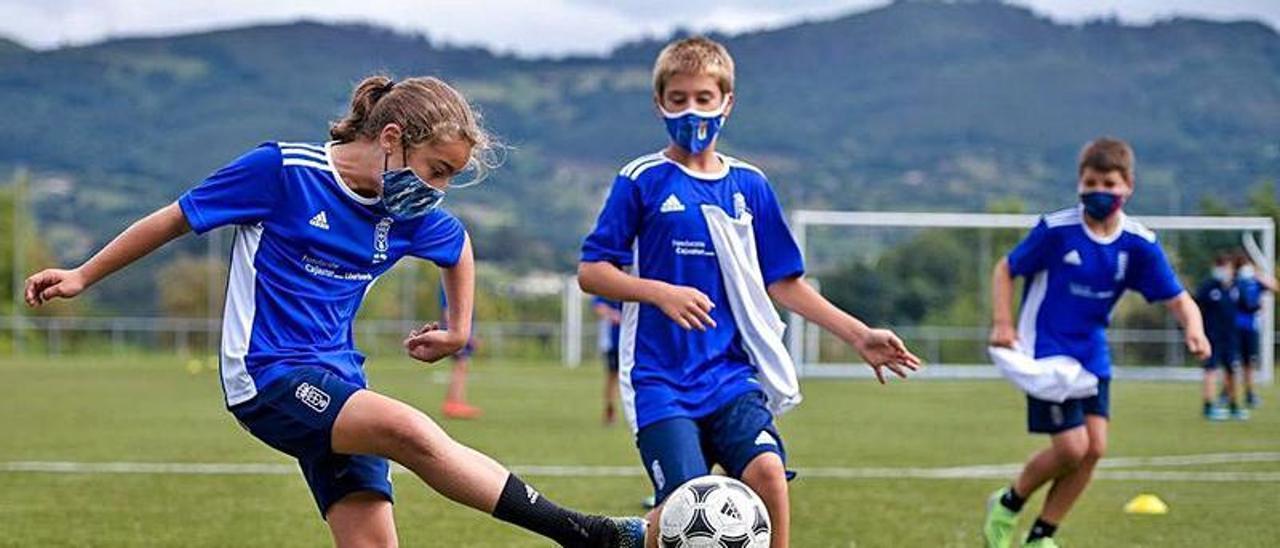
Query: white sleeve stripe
x=297 y=162
x=306 y=152
x=645 y=167
x=310 y=146
x=626 y=170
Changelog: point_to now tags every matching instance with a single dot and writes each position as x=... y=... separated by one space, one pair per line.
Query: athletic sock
x=1208 y=406
x=525 y=507
x=1011 y=500
x=1041 y=529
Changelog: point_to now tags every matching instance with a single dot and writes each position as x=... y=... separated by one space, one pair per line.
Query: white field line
x=993 y=471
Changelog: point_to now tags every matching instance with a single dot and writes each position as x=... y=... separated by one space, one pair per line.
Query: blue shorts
x=295 y=414
x=1224 y=352
x=1046 y=417
x=679 y=449
x=1249 y=346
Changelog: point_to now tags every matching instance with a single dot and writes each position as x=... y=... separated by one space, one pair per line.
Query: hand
x=47 y=284
x=880 y=348
x=688 y=307
x=431 y=344
x=1003 y=336
x=1198 y=346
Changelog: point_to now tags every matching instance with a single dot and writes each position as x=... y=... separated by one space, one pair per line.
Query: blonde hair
x=427 y=110
x=695 y=55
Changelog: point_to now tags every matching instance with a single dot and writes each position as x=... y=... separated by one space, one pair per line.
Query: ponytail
x=427 y=110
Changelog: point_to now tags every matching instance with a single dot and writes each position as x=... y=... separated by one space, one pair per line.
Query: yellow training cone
x=1146 y=504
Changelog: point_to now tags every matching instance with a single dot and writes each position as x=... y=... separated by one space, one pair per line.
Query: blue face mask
x=694 y=130
x=405 y=195
x=1099 y=205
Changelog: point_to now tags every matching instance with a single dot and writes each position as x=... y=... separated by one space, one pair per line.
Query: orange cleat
x=460 y=411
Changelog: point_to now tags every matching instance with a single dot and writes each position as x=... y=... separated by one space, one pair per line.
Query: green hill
x=916 y=105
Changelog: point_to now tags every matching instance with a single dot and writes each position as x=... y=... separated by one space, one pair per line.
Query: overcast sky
x=541 y=27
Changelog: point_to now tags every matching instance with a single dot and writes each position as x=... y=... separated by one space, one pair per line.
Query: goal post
x=802 y=338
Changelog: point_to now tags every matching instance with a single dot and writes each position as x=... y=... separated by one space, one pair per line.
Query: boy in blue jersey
x=690 y=390
x=609 y=316
x=315 y=225
x=1218 y=298
x=1077 y=262
x=1250 y=287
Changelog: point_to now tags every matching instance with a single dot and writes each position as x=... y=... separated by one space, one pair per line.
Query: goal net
x=927 y=276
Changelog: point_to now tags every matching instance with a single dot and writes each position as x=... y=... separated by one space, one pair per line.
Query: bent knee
x=1094 y=453
x=412 y=433
x=766 y=469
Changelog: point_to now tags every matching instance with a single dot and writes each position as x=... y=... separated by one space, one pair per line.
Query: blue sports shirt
x=1074 y=279
x=1250 y=292
x=307 y=249
x=653 y=224
x=1219 y=307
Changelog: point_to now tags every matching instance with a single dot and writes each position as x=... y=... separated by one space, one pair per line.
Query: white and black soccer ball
x=714 y=512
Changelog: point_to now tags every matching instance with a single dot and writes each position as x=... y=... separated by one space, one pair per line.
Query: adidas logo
x=320 y=221
x=765 y=438
x=1072 y=258
x=671 y=205
x=531 y=494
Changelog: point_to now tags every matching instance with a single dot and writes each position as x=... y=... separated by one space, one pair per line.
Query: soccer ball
x=714 y=512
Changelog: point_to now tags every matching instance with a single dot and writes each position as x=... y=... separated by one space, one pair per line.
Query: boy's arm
x=141 y=238
x=688 y=307
x=430 y=343
x=879 y=347
x=1002 y=332
x=1268 y=281
x=1184 y=309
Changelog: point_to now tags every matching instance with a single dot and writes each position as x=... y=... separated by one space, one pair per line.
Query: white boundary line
x=989 y=471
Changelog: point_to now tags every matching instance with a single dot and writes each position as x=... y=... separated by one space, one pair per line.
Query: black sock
x=521 y=505
x=1041 y=529
x=1011 y=500
x=1207 y=407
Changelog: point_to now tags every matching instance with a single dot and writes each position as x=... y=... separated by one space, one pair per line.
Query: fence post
x=571 y=333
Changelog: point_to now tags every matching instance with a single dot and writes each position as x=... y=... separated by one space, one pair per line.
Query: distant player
x=609 y=316
x=1250 y=286
x=315 y=224
x=455 y=397
x=689 y=387
x=1077 y=263
x=1218 y=299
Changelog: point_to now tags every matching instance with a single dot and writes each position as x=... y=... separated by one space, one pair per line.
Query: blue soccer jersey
x=307 y=248
x=1074 y=279
x=1249 y=302
x=652 y=222
x=1219 y=306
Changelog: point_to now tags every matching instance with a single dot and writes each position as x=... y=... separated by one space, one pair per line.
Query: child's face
x=1113 y=181
x=437 y=163
x=699 y=91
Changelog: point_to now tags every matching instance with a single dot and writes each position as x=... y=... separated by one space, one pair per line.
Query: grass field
x=155 y=410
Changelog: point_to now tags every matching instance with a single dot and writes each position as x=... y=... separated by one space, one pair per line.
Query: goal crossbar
x=801 y=220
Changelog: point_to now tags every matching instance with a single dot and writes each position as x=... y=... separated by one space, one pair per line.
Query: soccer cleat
x=461 y=411
x=1218 y=414
x=1044 y=542
x=1240 y=414
x=628 y=532
x=997 y=529
x=1252 y=401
